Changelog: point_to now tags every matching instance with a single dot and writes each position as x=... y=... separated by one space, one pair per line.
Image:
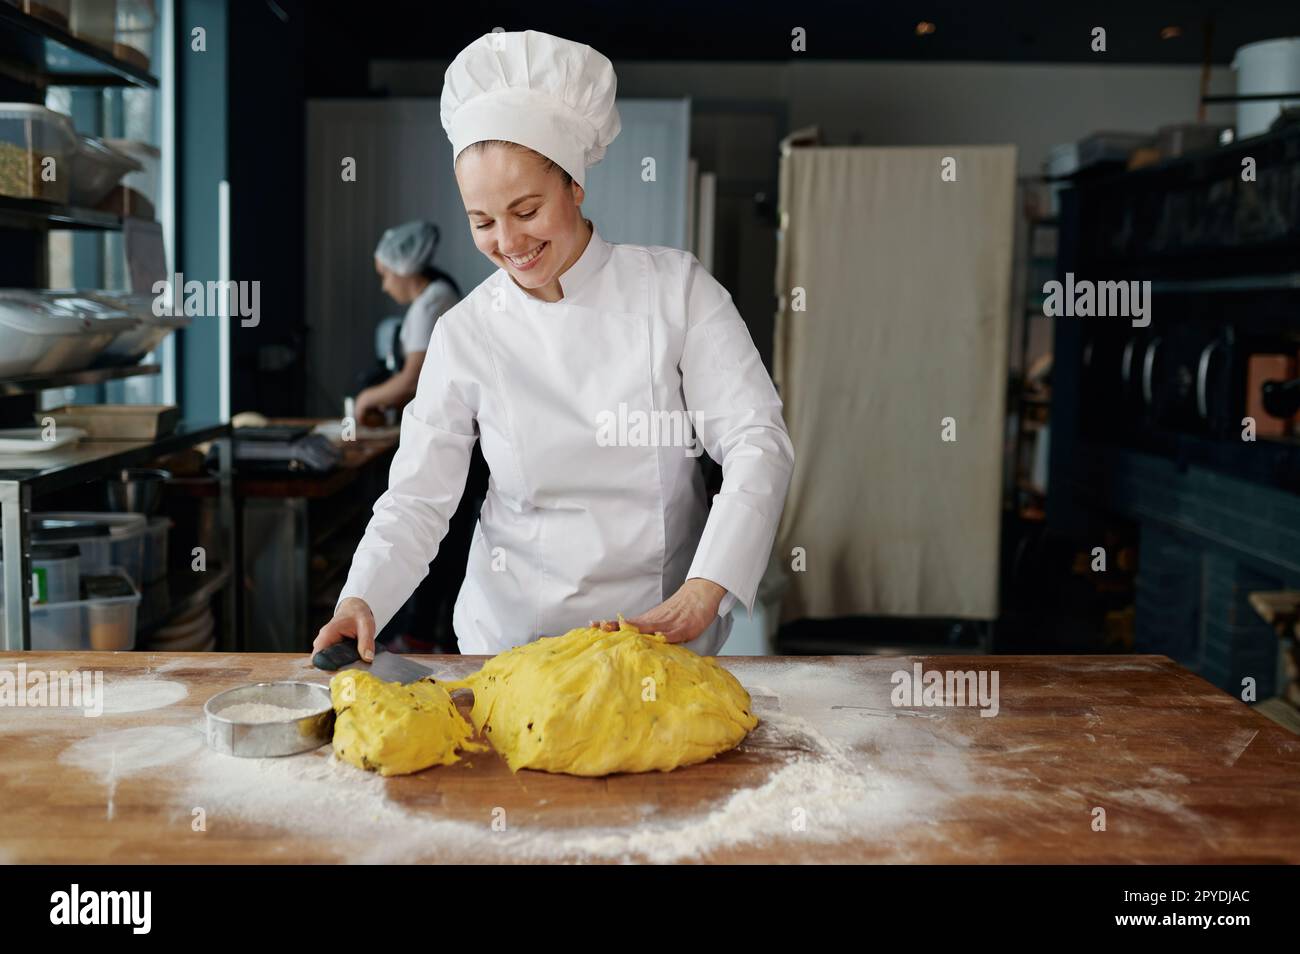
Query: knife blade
x=386 y=665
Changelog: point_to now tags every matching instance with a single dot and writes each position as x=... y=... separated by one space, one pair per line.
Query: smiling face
x=524 y=214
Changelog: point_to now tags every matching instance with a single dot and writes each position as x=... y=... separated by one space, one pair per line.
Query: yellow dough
x=594 y=703
x=396 y=729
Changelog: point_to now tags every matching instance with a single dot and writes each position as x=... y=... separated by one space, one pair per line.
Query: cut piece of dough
x=396 y=729
x=592 y=702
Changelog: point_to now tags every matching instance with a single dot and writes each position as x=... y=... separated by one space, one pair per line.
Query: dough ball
x=396 y=729
x=594 y=703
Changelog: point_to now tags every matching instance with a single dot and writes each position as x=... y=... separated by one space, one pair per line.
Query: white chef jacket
x=577 y=526
x=436 y=299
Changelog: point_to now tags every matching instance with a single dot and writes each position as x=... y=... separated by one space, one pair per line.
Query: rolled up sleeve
x=737 y=416
x=425 y=484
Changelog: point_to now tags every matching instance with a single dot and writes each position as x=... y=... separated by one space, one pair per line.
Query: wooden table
x=1184 y=773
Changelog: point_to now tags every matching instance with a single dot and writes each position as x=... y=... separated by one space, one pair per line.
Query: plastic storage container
x=126 y=533
x=130 y=346
x=51 y=11
x=105 y=623
x=94 y=21
x=96 y=169
x=155 y=549
x=1267 y=66
x=38 y=336
x=56 y=572
x=145 y=180
x=102 y=315
x=29 y=135
x=56 y=568
x=135 y=23
x=90 y=537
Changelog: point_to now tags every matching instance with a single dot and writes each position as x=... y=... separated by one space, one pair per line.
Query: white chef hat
x=552 y=95
x=406 y=249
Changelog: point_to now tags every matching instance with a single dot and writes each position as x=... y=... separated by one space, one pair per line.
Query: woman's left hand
x=681 y=617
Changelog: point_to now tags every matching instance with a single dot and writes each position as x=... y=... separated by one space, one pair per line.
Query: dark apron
x=425 y=618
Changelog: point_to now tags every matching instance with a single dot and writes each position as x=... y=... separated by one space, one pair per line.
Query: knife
x=388 y=666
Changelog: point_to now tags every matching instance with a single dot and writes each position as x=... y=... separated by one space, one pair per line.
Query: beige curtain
x=906 y=279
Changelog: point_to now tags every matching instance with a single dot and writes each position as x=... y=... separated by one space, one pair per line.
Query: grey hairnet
x=408 y=249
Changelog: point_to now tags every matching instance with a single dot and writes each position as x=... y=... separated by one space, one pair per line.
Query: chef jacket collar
x=591 y=261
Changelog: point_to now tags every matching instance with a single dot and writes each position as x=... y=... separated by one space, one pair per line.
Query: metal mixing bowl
x=262 y=739
x=136 y=490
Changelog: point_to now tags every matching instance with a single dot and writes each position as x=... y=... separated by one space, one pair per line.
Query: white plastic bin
x=29 y=135
x=145 y=179
x=43 y=336
x=1268 y=66
x=130 y=347
x=126 y=533
x=96 y=168
x=107 y=623
x=102 y=314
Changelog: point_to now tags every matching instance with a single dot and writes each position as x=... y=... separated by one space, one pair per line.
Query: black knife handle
x=339 y=655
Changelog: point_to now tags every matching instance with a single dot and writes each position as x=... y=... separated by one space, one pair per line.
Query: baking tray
x=116 y=422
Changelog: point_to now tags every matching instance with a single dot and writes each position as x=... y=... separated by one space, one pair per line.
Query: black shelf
x=69 y=60
x=35 y=383
x=40 y=214
x=92 y=460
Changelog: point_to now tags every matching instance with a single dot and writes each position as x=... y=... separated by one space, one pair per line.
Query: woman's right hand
x=352 y=620
x=367 y=403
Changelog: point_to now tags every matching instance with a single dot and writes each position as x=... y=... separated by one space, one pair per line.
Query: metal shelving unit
x=97 y=460
x=35 y=383
x=37 y=213
x=36 y=55
x=67 y=60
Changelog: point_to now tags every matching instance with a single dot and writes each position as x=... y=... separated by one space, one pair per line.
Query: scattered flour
x=848 y=768
x=140 y=694
x=132 y=694
x=128 y=751
x=836 y=780
x=264 y=712
x=317 y=795
x=188 y=661
x=113 y=755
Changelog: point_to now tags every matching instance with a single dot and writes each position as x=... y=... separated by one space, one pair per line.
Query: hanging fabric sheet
x=901 y=342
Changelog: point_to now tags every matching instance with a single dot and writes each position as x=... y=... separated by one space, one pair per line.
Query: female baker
x=587 y=371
